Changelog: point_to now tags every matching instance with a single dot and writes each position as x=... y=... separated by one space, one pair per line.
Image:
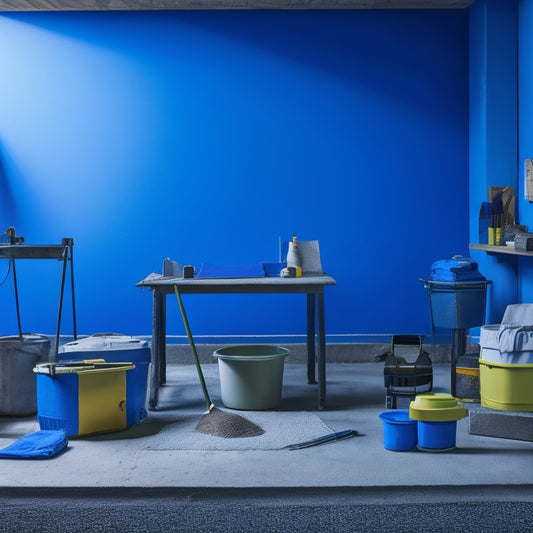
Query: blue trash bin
x=457 y=305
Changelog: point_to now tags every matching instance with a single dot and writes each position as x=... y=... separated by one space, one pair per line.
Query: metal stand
x=458 y=349
x=16 y=249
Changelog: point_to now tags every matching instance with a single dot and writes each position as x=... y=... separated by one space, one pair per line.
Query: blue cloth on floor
x=254 y=270
x=38 y=445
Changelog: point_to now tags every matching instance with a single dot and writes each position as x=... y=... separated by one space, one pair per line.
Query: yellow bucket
x=506 y=387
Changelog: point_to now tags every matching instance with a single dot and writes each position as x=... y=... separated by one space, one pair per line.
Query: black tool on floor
x=332 y=437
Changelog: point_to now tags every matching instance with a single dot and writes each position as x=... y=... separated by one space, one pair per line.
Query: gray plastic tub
x=18 y=357
x=251 y=376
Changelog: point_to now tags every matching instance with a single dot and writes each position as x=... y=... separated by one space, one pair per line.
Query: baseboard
x=335 y=353
x=362 y=349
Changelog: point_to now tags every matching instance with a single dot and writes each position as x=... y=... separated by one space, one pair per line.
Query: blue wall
x=501 y=133
x=525 y=147
x=203 y=136
x=493 y=133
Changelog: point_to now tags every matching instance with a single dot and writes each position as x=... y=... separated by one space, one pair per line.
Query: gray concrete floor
x=355 y=395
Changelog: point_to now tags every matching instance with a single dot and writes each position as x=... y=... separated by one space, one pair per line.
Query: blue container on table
x=399 y=431
x=116 y=348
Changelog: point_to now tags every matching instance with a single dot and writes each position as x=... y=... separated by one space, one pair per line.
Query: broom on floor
x=214 y=421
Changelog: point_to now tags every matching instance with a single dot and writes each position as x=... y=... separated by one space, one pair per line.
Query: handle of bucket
x=85 y=365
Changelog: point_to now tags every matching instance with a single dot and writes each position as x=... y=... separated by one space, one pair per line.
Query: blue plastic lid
x=398 y=416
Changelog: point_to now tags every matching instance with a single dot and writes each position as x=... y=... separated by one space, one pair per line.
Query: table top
x=266 y=284
x=32 y=251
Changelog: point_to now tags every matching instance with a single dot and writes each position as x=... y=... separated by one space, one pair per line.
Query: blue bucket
x=399 y=431
x=436 y=435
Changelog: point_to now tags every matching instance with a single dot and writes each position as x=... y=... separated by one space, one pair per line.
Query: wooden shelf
x=491 y=249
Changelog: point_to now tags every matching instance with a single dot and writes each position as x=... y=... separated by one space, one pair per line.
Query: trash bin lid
x=104 y=341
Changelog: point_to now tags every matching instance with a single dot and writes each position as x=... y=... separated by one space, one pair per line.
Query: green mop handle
x=193 y=348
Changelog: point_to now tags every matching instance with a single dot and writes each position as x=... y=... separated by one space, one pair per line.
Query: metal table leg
x=311 y=354
x=74 y=323
x=16 y=296
x=158 y=356
x=321 y=362
x=60 y=309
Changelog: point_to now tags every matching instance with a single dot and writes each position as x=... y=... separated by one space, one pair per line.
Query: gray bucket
x=251 y=376
x=18 y=357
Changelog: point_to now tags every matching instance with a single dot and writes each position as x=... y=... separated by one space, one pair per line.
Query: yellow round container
x=506 y=387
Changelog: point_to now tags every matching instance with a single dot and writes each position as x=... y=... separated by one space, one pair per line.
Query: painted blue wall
x=493 y=133
x=501 y=134
x=525 y=147
x=203 y=136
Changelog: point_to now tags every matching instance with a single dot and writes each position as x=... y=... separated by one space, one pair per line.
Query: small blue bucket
x=436 y=435
x=399 y=431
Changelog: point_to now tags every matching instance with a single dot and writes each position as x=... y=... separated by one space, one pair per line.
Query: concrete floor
x=355 y=395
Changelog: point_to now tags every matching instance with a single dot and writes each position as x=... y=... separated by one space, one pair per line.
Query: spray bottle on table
x=294 y=257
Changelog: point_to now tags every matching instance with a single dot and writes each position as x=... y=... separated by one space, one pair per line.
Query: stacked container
x=437 y=415
x=506 y=363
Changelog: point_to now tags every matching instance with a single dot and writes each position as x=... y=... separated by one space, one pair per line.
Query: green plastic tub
x=251 y=376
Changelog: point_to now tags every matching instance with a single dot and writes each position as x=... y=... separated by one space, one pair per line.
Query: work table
x=312 y=286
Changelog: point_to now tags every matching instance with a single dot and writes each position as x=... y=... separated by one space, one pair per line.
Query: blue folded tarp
x=456 y=269
x=39 y=445
x=254 y=270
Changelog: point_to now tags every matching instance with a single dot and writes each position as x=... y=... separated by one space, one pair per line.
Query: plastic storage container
x=437 y=436
x=18 y=357
x=116 y=348
x=506 y=364
x=510 y=342
x=507 y=387
x=437 y=415
x=251 y=376
x=84 y=398
x=399 y=431
x=457 y=305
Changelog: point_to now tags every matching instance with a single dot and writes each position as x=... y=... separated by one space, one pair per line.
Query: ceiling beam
x=127 y=5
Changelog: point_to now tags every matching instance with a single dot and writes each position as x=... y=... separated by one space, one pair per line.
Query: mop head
x=227 y=425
